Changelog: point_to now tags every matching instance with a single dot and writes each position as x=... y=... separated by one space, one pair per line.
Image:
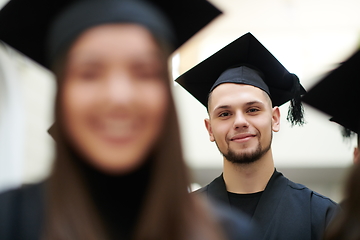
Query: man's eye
x=225 y=114
x=252 y=110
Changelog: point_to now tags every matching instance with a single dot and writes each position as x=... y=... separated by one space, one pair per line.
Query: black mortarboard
x=24 y=24
x=338 y=94
x=246 y=61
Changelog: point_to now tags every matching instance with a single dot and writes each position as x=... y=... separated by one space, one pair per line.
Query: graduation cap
x=246 y=61
x=25 y=24
x=338 y=94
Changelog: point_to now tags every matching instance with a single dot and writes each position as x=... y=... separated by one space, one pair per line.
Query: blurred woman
x=119 y=156
x=119 y=171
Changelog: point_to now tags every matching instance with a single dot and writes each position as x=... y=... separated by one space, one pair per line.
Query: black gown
x=118 y=200
x=285 y=211
x=22 y=212
x=22 y=209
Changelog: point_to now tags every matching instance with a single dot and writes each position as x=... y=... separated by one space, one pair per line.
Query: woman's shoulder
x=21 y=212
x=22 y=196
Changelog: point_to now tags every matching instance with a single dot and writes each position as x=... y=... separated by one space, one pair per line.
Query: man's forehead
x=232 y=93
x=244 y=87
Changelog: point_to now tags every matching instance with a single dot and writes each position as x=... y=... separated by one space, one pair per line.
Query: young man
x=242 y=86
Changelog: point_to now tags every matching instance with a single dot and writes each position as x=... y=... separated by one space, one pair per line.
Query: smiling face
x=114 y=95
x=241 y=121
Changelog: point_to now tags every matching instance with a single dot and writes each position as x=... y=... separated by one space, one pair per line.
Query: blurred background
x=309 y=38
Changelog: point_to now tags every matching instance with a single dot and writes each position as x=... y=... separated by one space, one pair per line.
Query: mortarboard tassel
x=346 y=133
x=296 y=111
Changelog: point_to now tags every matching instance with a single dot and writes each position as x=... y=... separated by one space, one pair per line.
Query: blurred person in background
x=118 y=171
x=242 y=85
x=349 y=134
x=356 y=158
x=338 y=95
x=357 y=150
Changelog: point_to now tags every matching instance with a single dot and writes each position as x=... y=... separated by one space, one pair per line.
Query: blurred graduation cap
x=246 y=61
x=25 y=23
x=345 y=132
x=338 y=94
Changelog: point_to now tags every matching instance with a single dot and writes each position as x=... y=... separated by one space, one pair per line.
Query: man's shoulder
x=315 y=196
x=216 y=183
x=201 y=190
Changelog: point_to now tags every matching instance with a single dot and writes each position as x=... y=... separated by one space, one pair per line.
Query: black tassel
x=296 y=110
x=346 y=133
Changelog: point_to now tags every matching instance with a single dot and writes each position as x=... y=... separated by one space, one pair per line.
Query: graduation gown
x=22 y=213
x=286 y=210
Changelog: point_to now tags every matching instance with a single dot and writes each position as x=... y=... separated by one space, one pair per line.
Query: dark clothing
x=245 y=203
x=21 y=213
x=235 y=224
x=22 y=210
x=286 y=210
x=119 y=211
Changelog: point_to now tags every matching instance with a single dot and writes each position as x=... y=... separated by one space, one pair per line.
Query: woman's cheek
x=154 y=97
x=78 y=102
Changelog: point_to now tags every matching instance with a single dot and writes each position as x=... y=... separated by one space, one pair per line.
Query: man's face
x=241 y=121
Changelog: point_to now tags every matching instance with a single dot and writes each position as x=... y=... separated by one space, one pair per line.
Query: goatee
x=246 y=158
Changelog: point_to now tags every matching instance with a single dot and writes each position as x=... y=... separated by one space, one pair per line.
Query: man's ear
x=276 y=119
x=208 y=128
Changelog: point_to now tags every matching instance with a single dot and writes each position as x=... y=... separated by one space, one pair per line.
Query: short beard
x=246 y=158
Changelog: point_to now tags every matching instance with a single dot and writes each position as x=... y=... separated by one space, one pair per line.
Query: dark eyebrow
x=246 y=105
x=253 y=103
x=222 y=107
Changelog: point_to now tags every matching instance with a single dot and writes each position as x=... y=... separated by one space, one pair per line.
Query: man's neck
x=248 y=178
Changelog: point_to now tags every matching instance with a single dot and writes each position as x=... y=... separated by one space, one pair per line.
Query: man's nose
x=240 y=120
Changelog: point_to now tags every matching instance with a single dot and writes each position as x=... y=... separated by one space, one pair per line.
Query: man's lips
x=243 y=137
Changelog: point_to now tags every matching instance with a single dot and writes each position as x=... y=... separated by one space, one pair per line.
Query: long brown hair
x=168 y=212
